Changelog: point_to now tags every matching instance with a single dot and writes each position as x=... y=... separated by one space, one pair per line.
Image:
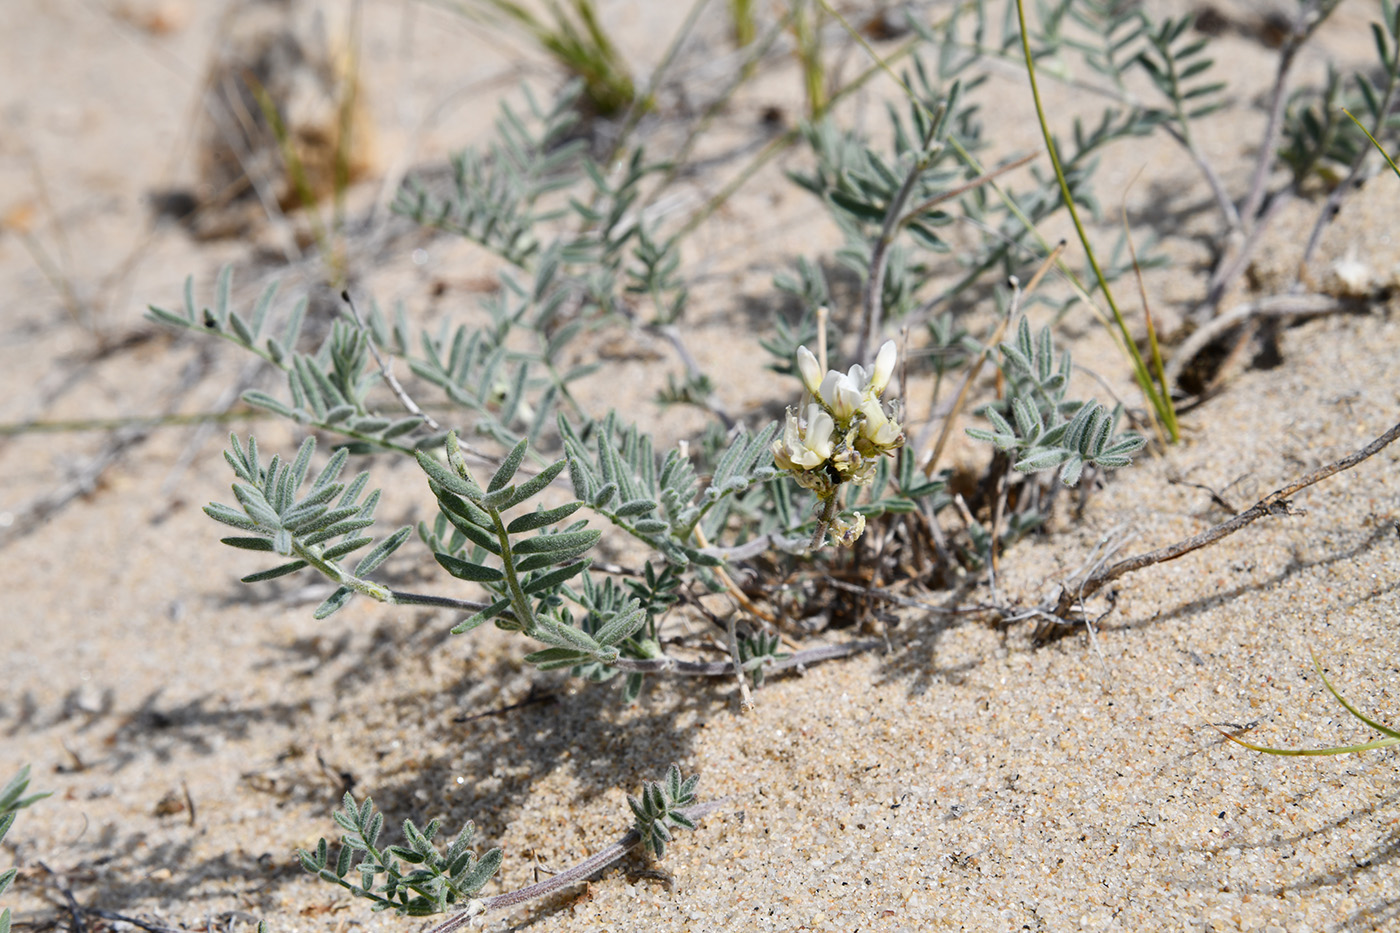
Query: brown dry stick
x=1275 y=503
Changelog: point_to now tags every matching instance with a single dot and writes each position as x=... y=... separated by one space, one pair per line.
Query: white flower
x=842 y=429
x=877 y=429
x=884 y=368
x=843 y=392
x=806 y=442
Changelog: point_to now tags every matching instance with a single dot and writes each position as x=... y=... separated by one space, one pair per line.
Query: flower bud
x=884 y=367
x=809 y=369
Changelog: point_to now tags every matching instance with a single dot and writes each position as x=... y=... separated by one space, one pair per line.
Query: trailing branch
x=1275 y=503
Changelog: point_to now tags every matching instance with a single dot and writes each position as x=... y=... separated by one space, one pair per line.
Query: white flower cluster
x=841 y=426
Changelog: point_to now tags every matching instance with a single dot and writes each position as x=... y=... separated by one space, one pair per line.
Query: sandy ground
x=195 y=732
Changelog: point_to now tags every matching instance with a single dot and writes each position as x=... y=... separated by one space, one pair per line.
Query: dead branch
x=1275 y=503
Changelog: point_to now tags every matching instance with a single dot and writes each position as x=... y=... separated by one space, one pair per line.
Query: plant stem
x=1298 y=34
x=770 y=151
x=669 y=665
x=386 y=371
x=894 y=219
x=1161 y=401
x=520 y=604
x=828 y=512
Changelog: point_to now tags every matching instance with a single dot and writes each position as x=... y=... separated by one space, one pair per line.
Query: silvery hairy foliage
x=526 y=483
x=1043 y=429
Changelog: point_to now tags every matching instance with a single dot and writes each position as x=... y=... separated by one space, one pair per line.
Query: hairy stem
x=880 y=253
x=799 y=659
x=1309 y=18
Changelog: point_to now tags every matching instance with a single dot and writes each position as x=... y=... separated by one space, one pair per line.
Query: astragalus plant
x=527 y=481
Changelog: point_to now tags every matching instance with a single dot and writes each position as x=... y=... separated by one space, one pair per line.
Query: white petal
x=809 y=369
x=845 y=401
x=820 y=427
x=884 y=367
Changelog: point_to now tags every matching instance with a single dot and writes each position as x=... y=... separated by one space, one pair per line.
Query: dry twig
x=1275 y=503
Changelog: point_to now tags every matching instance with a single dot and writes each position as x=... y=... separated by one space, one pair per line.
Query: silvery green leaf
x=248 y=544
x=498 y=499
x=1122 y=446
x=549 y=558
x=484 y=615
x=547 y=581
x=560 y=542
x=222 y=288
x=338 y=529
x=382 y=551
x=226 y=515
x=622 y=626
x=1044 y=356
x=486 y=867
x=334 y=602
x=369 y=425
x=466 y=570
x=509 y=465
x=263 y=400
x=401 y=427
x=536 y=484
x=446 y=478
x=1079 y=425
x=1027 y=418
x=1042 y=459
x=260 y=309
x=556 y=657
x=567 y=636
x=635 y=507
x=999 y=424
x=476 y=534
x=241 y=330
x=256 y=507
x=465 y=508
x=337 y=551
x=542 y=518
x=1071 y=471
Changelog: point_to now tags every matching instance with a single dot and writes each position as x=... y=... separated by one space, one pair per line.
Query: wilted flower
x=847 y=533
